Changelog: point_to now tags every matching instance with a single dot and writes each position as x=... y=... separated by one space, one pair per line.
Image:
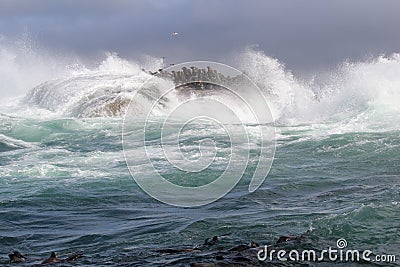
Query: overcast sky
x=304 y=34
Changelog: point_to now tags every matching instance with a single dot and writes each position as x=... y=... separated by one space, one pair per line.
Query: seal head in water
x=211 y=241
x=16 y=257
x=53 y=259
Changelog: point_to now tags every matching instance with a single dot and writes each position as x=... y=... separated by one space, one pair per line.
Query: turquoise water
x=65 y=187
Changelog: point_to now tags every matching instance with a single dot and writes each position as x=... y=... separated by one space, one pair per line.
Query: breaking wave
x=357 y=95
x=362 y=93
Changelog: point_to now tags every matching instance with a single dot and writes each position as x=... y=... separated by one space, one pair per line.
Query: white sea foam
x=354 y=96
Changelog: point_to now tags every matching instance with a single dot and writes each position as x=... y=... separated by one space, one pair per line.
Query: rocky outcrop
x=199 y=79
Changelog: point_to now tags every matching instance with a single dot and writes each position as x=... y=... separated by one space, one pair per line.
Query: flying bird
x=174 y=34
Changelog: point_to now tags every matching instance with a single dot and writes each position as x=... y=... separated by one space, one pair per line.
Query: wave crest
x=359 y=93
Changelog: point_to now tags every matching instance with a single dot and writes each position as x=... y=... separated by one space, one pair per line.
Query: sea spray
x=359 y=93
x=354 y=95
x=65 y=184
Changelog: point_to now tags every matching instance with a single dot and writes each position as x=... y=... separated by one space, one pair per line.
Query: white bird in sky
x=174 y=34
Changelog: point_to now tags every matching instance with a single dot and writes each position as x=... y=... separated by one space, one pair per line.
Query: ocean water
x=65 y=185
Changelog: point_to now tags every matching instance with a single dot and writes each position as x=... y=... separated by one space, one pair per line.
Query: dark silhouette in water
x=16 y=257
x=239 y=255
x=74 y=257
x=53 y=259
x=211 y=241
x=207 y=243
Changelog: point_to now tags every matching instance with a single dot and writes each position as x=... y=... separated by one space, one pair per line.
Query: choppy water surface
x=65 y=186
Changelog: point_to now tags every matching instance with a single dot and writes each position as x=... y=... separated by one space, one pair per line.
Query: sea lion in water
x=16 y=257
x=53 y=259
x=74 y=257
x=211 y=241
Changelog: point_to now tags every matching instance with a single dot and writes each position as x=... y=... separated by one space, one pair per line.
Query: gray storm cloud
x=303 y=34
